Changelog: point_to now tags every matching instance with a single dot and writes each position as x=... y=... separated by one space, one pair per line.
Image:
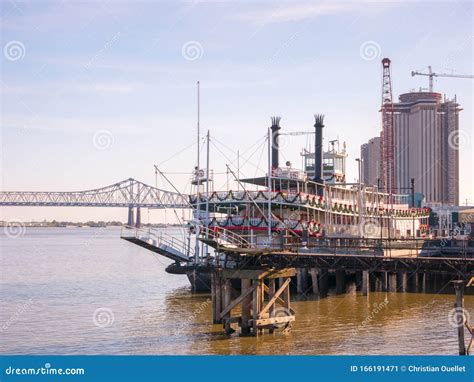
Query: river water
x=86 y=291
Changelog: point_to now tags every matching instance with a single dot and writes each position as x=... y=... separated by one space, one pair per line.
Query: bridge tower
x=130 y=220
x=138 y=223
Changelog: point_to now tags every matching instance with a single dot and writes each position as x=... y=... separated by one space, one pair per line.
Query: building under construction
x=418 y=140
x=425 y=146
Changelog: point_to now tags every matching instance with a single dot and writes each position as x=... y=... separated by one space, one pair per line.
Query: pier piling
x=392 y=282
x=340 y=281
x=323 y=282
x=365 y=283
x=314 y=280
x=262 y=307
x=460 y=319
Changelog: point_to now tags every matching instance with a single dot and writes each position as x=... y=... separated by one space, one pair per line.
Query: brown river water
x=86 y=291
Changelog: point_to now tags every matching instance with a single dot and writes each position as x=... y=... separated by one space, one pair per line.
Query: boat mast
x=207 y=190
x=198 y=207
x=269 y=217
x=238 y=170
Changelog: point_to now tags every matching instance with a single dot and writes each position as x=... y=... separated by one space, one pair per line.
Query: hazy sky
x=96 y=92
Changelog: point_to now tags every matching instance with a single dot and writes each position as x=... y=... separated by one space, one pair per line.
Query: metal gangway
x=159 y=242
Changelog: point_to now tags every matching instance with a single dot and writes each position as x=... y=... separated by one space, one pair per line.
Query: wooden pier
x=265 y=276
x=262 y=306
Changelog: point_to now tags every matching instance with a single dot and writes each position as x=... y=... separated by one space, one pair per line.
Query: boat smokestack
x=275 y=141
x=318 y=151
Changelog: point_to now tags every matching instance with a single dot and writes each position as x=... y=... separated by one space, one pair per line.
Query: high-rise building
x=370 y=155
x=425 y=146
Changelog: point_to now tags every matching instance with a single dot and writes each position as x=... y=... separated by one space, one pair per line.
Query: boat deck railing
x=223 y=236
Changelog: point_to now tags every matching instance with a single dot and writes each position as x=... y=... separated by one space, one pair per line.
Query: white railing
x=223 y=235
x=159 y=237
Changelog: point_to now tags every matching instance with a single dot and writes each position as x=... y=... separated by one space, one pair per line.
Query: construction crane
x=431 y=74
x=387 y=165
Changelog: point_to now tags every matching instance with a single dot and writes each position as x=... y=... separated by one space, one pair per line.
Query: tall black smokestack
x=318 y=152
x=275 y=141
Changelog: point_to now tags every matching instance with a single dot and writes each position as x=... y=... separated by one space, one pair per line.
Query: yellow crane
x=432 y=74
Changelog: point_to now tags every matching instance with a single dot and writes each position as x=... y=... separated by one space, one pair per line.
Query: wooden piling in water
x=365 y=283
x=358 y=281
x=459 y=312
x=378 y=285
x=323 y=282
x=392 y=282
x=423 y=282
x=258 y=313
x=227 y=298
x=271 y=294
x=246 y=285
x=314 y=280
x=384 y=281
x=301 y=280
x=402 y=281
x=340 y=281
x=218 y=282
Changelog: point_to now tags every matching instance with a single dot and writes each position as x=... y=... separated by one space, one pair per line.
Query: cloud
x=300 y=11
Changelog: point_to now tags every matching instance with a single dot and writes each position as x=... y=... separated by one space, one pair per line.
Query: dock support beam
x=392 y=282
x=227 y=299
x=323 y=282
x=340 y=281
x=262 y=307
x=246 y=286
x=358 y=281
x=216 y=297
x=459 y=312
x=301 y=280
x=384 y=281
x=402 y=281
x=423 y=282
x=314 y=280
x=365 y=283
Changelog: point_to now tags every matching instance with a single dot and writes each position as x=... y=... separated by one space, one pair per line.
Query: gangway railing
x=223 y=236
x=159 y=238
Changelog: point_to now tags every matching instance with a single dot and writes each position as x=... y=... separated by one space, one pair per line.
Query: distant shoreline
x=77 y=225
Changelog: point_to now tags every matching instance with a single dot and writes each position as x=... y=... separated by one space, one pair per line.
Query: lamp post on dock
x=359 y=161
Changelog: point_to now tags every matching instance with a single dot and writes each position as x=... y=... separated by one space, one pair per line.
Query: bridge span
x=128 y=193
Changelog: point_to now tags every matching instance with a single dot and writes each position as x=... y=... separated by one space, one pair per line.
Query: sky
x=96 y=92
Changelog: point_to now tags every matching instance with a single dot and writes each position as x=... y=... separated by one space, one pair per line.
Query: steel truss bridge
x=129 y=193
